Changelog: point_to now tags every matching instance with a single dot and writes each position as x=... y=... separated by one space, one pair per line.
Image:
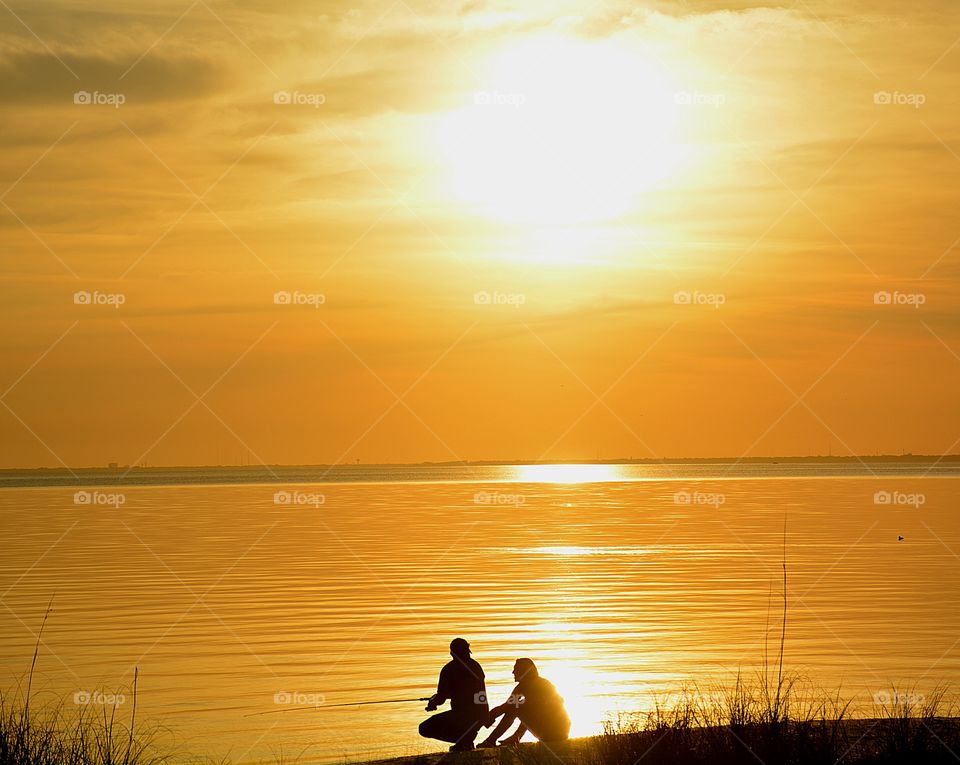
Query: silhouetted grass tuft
x=59 y=735
x=778 y=720
x=745 y=726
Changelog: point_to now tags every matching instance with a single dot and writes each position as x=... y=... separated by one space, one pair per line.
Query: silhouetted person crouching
x=461 y=682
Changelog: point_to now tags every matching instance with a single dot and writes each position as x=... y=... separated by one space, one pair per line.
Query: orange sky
x=587 y=166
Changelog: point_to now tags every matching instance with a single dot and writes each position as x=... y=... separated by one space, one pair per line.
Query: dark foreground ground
x=923 y=740
x=911 y=741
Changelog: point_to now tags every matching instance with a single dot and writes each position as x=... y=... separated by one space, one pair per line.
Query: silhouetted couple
x=534 y=702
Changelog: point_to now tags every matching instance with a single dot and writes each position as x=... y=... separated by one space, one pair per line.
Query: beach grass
x=752 y=725
x=60 y=733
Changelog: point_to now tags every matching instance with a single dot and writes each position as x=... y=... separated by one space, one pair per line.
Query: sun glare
x=566 y=131
x=568 y=473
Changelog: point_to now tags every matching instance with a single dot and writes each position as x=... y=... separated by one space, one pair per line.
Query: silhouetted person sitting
x=536 y=703
x=461 y=682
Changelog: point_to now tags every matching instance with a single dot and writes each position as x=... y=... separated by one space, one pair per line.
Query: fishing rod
x=331 y=706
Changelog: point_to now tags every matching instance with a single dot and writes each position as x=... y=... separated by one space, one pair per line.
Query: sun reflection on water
x=573 y=473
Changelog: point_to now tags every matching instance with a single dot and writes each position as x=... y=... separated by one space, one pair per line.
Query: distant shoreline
x=861 y=459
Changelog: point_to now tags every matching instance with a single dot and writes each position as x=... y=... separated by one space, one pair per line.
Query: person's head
x=524 y=669
x=459 y=648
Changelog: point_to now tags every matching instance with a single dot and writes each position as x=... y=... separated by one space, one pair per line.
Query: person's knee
x=427 y=729
x=544 y=729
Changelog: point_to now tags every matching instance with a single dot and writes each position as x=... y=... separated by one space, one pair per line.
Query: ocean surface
x=239 y=591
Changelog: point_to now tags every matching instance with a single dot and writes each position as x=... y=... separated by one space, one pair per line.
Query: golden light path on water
x=570 y=668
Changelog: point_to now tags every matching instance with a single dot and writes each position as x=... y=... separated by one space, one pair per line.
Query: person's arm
x=443 y=692
x=497 y=711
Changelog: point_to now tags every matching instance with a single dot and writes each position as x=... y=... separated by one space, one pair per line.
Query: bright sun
x=567 y=131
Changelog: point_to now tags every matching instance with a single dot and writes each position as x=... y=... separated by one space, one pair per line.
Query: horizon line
x=113 y=466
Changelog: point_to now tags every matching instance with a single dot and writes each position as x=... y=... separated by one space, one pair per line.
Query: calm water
x=226 y=595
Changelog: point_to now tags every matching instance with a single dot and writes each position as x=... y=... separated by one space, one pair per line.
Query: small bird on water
x=899 y=538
